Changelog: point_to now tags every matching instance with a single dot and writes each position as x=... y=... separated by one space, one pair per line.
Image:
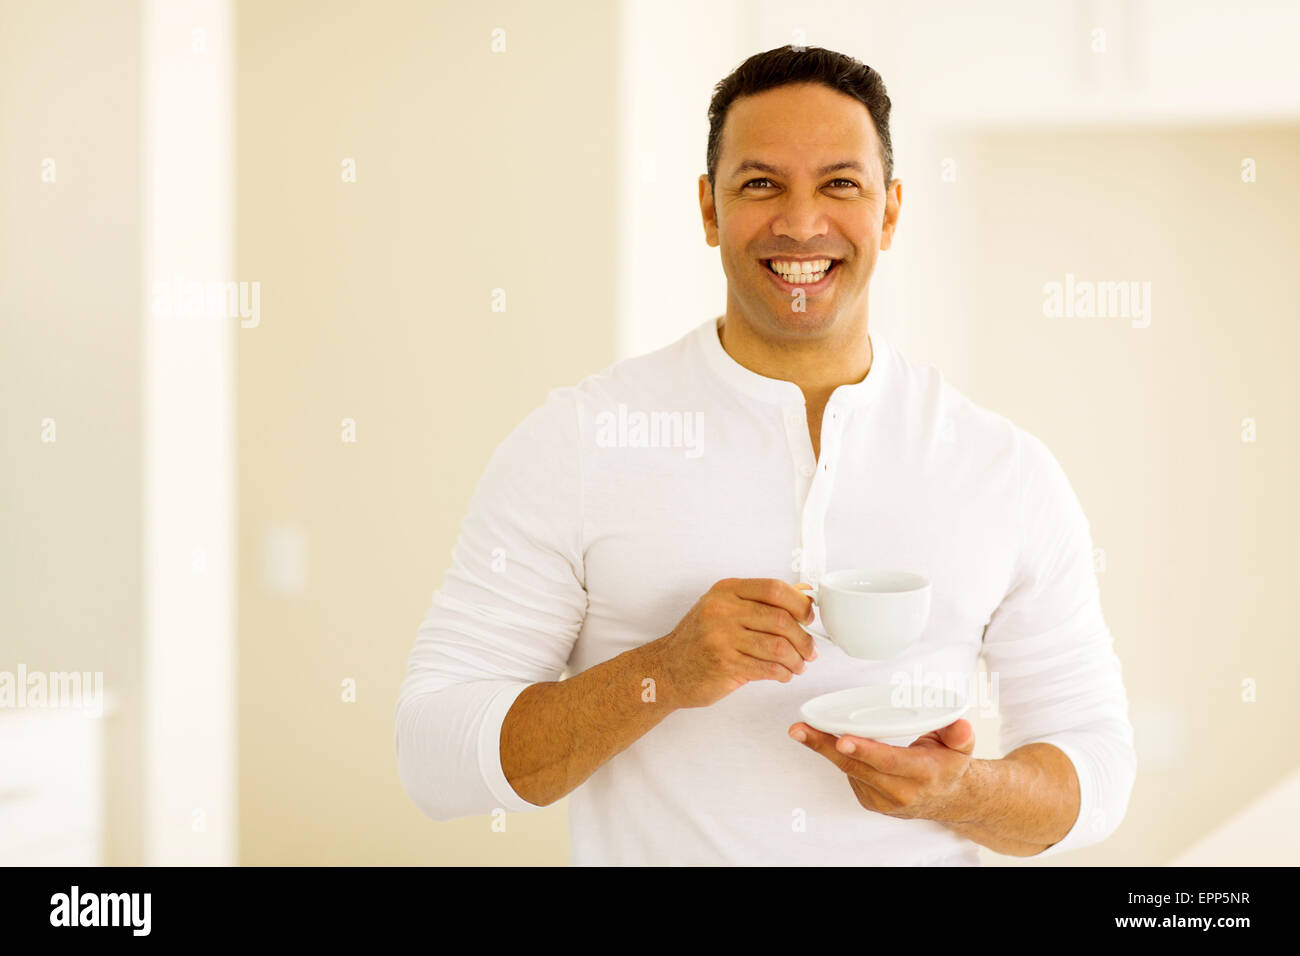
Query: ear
x=893 y=199
x=708 y=211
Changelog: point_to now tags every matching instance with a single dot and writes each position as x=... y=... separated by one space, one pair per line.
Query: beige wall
x=70 y=510
x=1199 y=529
x=479 y=171
x=475 y=171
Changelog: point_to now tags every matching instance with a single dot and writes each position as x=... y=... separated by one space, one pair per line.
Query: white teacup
x=871 y=614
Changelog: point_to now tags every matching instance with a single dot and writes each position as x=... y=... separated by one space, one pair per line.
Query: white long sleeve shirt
x=606 y=514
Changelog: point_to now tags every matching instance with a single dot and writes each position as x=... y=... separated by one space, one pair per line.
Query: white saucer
x=870 y=712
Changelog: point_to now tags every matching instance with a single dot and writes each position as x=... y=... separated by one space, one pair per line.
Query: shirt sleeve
x=506 y=616
x=1058 y=679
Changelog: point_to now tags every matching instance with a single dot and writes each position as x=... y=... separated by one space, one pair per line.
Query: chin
x=812 y=321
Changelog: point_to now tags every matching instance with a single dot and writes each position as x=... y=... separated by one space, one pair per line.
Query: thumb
x=959 y=736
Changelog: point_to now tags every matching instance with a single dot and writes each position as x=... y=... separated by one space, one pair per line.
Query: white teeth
x=804 y=272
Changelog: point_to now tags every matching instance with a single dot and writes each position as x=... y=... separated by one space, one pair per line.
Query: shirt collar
x=785 y=393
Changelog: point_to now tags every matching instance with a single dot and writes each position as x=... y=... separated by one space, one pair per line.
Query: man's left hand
x=925 y=780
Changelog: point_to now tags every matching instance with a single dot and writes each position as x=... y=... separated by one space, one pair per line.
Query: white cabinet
x=51 y=788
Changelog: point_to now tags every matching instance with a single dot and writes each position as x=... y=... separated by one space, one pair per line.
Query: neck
x=817 y=365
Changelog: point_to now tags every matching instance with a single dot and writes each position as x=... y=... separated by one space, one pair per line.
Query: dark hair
x=785 y=65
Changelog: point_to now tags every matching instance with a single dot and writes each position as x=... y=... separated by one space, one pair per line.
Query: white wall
x=671 y=53
x=187 y=213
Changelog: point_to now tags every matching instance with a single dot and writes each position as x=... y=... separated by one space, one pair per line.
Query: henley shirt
x=614 y=506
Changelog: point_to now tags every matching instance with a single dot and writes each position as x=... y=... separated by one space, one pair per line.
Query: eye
x=764 y=179
x=847 y=183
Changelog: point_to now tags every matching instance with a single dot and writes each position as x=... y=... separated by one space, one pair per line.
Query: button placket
x=814 y=526
x=796 y=429
x=804 y=468
x=818 y=501
x=814 y=531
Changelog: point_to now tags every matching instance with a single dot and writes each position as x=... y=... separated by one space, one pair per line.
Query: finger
x=806 y=591
x=778 y=593
x=869 y=796
x=774 y=620
x=826 y=745
x=757 y=668
x=772 y=647
x=883 y=758
x=806 y=734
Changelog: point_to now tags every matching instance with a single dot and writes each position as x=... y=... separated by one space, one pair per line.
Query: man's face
x=782 y=193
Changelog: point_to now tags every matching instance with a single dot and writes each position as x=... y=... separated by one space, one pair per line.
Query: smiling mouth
x=801 y=271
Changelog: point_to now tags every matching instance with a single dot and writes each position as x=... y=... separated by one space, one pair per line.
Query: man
x=646 y=530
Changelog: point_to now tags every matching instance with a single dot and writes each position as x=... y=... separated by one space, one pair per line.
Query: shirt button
x=806 y=471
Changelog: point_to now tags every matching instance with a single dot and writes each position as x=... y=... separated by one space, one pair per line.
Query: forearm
x=1018 y=805
x=557 y=734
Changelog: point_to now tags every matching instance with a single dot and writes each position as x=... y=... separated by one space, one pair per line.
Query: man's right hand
x=742 y=629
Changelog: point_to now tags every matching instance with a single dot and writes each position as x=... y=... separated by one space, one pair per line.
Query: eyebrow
x=757 y=166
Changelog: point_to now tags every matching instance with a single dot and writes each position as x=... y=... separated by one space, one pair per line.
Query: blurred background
x=277 y=277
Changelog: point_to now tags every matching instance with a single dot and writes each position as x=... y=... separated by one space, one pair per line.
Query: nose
x=800 y=219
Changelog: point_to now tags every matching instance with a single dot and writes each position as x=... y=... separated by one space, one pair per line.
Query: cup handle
x=816 y=633
x=813 y=593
